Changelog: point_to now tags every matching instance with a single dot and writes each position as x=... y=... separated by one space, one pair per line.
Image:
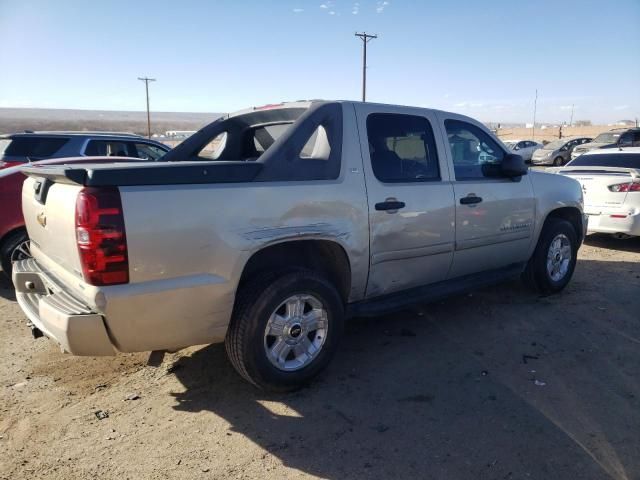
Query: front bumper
x=542 y=161
x=58 y=314
x=615 y=222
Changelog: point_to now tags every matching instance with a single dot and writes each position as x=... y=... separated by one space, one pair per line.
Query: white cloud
x=298 y=10
x=324 y=5
x=566 y=107
x=621 y=107
x=381 y=5
x=332 y=12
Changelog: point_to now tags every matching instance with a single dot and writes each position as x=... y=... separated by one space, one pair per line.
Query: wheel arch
x=321 y=255
x=571 y=214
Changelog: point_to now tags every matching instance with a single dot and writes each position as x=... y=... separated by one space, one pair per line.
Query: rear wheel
x=285 y=329
x=558 y=161
x=552 y=264
x=15 y=247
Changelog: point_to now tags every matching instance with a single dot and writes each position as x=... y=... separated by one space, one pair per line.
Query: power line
x=571 y=121
x=146 y=81
x=535 y=106
x=366 y=38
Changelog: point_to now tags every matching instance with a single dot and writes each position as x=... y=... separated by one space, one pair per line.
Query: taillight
x=625 y=187
x=101 y=238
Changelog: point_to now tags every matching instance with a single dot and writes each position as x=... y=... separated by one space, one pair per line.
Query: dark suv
x=20 y=148
x=618 y=137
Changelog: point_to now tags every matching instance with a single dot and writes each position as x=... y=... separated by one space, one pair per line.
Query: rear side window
x=108 y=148
x=623 y=160
x=32 y=147
x=475 y=154
x=402 y=148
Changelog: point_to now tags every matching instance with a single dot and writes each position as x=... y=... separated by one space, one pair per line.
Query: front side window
x=402 y=148
x=626 y=140
x=148 y=152
x=475 y=154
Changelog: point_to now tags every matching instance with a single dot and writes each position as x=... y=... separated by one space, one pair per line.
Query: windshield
x=607 y=137
x=510 y=145
x=623 y=160
x=555 y=145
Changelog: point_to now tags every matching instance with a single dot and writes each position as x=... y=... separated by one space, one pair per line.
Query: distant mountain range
x=19 y=119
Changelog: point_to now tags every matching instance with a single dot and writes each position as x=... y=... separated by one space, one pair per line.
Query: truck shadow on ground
x=497 y=384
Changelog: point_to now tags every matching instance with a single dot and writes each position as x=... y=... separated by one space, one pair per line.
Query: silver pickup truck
x=270 y=226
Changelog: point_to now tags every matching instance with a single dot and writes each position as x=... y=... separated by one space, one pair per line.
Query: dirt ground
x=498 y=384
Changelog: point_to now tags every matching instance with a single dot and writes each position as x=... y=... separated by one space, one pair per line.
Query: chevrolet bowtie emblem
x=42 y=219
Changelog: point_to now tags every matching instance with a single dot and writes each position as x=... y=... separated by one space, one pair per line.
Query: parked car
x=14 y=241
x=557 y=152
x=20 y=148
x=524 y=148
x=610 y=182
x=618 y=137
x=269 y=227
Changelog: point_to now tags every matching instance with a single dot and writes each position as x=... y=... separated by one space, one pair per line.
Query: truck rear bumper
x=59 y=315
x=157 y=315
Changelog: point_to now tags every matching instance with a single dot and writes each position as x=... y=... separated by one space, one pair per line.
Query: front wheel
x=558 y=162
x=551 y=266
x=285 y=329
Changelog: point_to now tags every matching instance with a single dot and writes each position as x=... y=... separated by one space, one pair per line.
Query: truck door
x=411 y=209
x=494 y=215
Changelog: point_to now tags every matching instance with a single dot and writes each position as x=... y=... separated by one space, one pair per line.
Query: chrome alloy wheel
x=22 y=251
x=296 y=332
x=559 y=257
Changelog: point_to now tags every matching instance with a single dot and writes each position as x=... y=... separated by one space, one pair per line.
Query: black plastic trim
x=428 y=293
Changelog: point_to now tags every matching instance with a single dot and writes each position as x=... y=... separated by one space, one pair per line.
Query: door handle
x=470 y=200
x=391 y=205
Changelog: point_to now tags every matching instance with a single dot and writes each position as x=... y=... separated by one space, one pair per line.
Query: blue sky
x=480 y=58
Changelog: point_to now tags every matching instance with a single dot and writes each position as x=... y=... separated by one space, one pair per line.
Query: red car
x=14 y=242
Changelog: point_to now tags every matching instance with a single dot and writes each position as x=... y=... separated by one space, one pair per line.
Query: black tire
x=536 y=275
x=8 y=249
x=255 y=302
x=558 y=161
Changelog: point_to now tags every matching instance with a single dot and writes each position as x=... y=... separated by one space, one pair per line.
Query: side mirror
x=516 y=147
x=513 y=166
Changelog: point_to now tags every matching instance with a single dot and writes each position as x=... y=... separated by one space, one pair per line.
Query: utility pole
x=366 y=38
x=146 y=81
x=571 y=121
x=535 y=106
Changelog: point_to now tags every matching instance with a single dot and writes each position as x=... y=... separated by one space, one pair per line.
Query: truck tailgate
x=49 y=213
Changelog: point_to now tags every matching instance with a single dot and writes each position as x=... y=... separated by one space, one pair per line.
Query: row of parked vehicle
x=561 y=151
x=269 y=227
x=50 y=148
